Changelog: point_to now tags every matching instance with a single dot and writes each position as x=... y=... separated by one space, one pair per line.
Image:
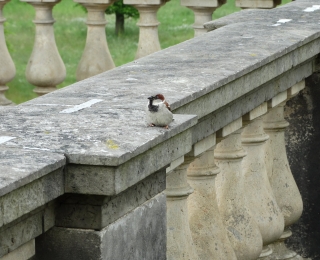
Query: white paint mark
x=4 y=139
x=180 y=80
x=312 y=9
x=34 y=148
x=284 y=20
x=81 y=106
x=281 y=21
x=309 y=9
x=131 y=79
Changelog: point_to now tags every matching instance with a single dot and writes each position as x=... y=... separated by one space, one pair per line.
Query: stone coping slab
x=19 y=167
x=296 y=11
x=94 y=135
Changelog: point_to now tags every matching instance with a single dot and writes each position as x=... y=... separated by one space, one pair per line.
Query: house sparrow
x=158 y=111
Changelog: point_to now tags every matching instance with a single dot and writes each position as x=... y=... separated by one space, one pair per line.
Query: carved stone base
x=281 y=252
x=3 y=100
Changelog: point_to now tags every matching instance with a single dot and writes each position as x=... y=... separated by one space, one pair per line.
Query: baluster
x=148 y=23
x=260 y=198
x=179 y=240
x=203 y=11
x=45 y=68
x=96 y=57
x=208 y=231
x=242 y=230
x=281 y=179
x=7 y=68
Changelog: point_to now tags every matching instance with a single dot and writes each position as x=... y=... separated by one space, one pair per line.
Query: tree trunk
x=119 y=23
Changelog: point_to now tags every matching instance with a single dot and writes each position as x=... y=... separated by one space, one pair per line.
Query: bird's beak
x=151 y=98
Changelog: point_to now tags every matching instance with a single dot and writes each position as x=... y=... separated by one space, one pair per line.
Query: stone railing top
x=19 y=167
x=95 y=135
x=110 y=127
x=196 y=67
x=295 y=11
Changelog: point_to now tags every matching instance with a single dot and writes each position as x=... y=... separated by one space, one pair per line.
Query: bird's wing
x=167 y=105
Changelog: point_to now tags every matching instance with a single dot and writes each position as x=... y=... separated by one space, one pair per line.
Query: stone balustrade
x=45 y=69
x=84 y=177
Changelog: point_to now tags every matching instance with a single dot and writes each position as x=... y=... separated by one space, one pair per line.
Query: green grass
x=70 y=33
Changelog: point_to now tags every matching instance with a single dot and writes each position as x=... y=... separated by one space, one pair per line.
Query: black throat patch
x=152 y=108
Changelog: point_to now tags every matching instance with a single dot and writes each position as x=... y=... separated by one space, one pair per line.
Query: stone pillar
x=257 y=4
x=45 y=68
x=207 y=228
x=282 y=182
x=148 y=23
x=242 y=230
x=96 y=57
x=260 y=198
x=179 y=240
x=203 y=11
x=7 y=68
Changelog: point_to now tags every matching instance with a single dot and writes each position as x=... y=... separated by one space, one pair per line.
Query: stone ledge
x=24 y=252
x=92 y=136
x=31 y=196
x=26 y=228
x=293 y=10
x=96 y=212
x=22 y=166
x=227 y=114
x=104 y=180
x=130 y=237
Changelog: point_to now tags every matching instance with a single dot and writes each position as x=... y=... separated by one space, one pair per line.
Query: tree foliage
x=121 y=11
x=119 y=7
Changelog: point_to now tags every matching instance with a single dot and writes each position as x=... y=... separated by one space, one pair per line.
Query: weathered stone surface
x=130 y=237
x=246 y=103
x=292 y=11
x=101 y=180
x=94 y=136
x=96 y=212
x=25 y=229
x=19 y=167
x=208 y=231
x=23 y=252
x=31 y=196
x=214 y=73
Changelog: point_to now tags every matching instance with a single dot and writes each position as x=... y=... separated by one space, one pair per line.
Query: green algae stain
x=111 y=144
